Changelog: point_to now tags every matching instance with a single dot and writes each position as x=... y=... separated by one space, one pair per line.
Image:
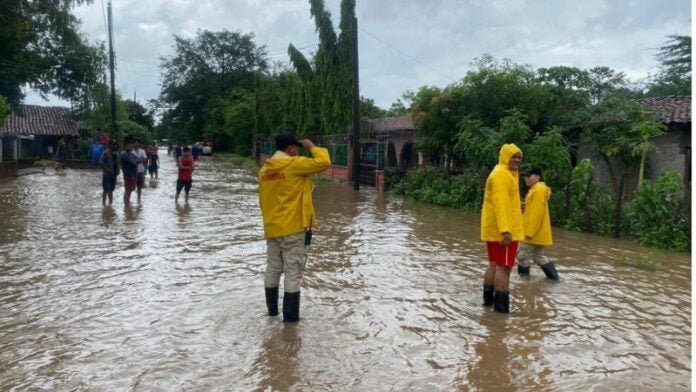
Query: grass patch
x=238 y=160
x=644 y=263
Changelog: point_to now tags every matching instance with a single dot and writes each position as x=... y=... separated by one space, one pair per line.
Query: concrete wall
x=673 y=152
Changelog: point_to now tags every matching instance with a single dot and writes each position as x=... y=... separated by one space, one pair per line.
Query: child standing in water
x=185 y=178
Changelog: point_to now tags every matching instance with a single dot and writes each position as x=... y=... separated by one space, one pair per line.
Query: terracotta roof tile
x=385 y=124
x=41 y=120
x=673 y=108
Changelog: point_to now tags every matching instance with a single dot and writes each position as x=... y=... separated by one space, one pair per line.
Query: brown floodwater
x=165 y=297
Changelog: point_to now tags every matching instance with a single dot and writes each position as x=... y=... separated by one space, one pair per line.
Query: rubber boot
x=501 y=302
x=488 y=290
x=291 y=307
x=550 y=271
x=272 y=301
x=523 y=271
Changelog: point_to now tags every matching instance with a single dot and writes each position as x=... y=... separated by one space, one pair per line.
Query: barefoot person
x=285 y=193
x=185 y=178
x=501 y=226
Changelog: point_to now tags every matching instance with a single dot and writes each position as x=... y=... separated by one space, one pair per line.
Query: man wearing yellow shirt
x=501 y=227
x=537 y=226
x=285 y=193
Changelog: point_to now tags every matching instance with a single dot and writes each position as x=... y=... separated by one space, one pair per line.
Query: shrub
x=657 y=213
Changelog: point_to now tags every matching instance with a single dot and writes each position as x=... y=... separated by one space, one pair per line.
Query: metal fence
x=336 y=144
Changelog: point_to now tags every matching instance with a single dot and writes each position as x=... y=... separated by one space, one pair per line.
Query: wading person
x=537 y=226
x=285 y=193
x=185 y=177
x=129 y=166
x=152 y=160
x=141 y=158
x=110 y=170
x=501 y=226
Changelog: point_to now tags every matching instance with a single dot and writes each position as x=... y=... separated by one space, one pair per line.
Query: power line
x=106 y=26
x=407 y=55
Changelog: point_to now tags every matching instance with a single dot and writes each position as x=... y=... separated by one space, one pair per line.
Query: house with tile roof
x=673 y=148
x=34 y=131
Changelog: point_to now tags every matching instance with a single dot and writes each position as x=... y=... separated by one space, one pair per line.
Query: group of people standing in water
x=507 y=224
x=134 y=162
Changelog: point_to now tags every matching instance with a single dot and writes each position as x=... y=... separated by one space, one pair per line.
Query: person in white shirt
x=141 y=157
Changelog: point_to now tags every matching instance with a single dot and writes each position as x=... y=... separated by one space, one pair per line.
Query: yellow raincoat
x=285 y=191
x=501 y=200
x=537 y=221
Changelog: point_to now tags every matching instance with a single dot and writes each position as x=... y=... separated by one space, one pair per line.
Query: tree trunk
x=614 y=182
x=619 y=197
x=586 y=211
x=642 y=166
x=567 y=195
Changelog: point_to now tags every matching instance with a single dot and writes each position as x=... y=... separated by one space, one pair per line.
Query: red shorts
x=503 y=256
x=129 y=183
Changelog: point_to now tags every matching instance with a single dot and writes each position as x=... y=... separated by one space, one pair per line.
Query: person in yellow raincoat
x=537 y=226
x=285 y=193
x=501 y=226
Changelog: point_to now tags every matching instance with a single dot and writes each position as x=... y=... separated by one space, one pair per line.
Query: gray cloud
x=404 y=44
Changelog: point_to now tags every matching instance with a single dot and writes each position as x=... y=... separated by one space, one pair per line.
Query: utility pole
x=356 y=109
x=115 y=131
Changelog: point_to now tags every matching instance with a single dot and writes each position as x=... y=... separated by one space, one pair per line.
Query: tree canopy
x=43 y=48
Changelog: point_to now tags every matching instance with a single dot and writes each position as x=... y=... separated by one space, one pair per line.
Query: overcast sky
x=404 y=44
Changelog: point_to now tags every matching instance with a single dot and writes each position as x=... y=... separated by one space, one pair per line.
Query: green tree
x=5 y=109
x=568 y=89
x=202 y=70
x=42 y=48
x=674 y=77
x=327 y=79
x=642 y=144
x=368 y=109
x=619 y=131
x=139 y=114
x=604 y=81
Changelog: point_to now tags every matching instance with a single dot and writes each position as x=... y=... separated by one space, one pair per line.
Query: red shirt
x=185 y=174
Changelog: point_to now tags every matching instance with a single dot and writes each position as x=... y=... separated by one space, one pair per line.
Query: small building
x=673 y=149
x=399 y=135
x=34 y=131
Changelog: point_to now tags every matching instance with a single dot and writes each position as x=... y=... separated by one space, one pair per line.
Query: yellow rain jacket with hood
x=537 y=220
x=285 y=191
x=501 y=200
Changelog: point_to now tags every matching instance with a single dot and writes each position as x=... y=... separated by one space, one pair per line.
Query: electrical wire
x=406 y=55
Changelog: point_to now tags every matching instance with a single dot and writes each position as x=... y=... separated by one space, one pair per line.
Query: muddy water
x=168 y=297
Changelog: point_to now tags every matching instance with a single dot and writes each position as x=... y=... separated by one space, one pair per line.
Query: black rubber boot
x=502 y=302
x=550 y=271
x=488 y=290
x=291 y=307
x=272 y=301
x=523 y=271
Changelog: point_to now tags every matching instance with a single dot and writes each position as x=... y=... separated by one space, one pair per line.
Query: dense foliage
x=43 y=48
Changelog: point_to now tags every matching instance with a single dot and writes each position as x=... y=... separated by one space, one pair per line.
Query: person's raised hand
x=307 y=144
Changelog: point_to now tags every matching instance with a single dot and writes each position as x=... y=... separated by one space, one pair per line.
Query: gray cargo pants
x=285 y=255
x=528 y=253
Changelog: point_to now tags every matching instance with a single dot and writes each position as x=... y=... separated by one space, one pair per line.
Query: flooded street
x=167 y=297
